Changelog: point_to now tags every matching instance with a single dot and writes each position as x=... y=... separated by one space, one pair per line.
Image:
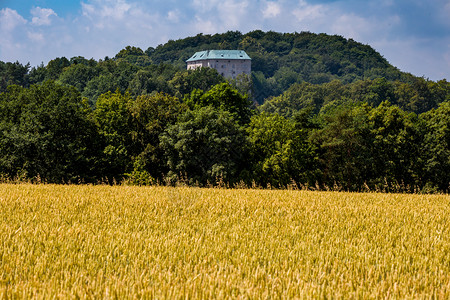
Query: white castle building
x=229 y=63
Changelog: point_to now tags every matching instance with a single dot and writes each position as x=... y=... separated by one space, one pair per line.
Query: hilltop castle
x=229 y=63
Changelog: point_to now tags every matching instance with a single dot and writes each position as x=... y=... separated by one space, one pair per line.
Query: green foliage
x=333 y=112
x=417 y=97
x=372 y=146
x=12 y=73
x=133 y=55
x=139 y=175
x=77 y=75
x=202 y=78
x=56 y=66
x=113 y=123
x=45 y=131
x=437 y=147
x=151 y=115
x=225 y=97
x=279 y=152
x=206 y=145
x=396 y=144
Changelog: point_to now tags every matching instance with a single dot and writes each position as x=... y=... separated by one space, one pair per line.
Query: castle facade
x=229 y=63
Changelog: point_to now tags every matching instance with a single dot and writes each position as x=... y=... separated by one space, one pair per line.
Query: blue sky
x=413 y=35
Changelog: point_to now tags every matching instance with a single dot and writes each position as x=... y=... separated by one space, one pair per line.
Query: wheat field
x=67 y=241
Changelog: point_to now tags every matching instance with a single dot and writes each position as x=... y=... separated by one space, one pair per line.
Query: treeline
x=318 y=111
x=279 y=60
x=282 y=59
x=49 y=131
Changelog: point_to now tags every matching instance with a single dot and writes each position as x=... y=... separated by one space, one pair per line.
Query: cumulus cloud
x=36 y=36
x=306 y=12
x=41 y=16
x=174 y=16
x=272 y=9
x=10 y=19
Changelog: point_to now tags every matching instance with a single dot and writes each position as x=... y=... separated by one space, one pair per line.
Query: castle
x=229 y=63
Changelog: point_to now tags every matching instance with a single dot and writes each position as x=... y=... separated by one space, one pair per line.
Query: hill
x=279 y=60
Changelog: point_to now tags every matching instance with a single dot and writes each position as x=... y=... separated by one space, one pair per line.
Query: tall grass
x=179 y=242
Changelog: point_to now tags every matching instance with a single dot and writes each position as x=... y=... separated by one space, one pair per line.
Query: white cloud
x=306 y=12
x=10 y=19
x=233 y=13
x=174 y=16
x=36 y=36
x=205 y=26
x=41 y=16
x=271 y=10
x=226 y=15
x=202 y=6
x=352 y=26
x=111 y=9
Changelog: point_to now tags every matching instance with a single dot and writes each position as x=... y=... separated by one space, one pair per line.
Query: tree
x=45 y=131
x=134 y=55
x=205 y=145
x=279 y=152
x=77 y=75
x=13 y=73
x=436 y=147
x=99 y=85
x=56 y=66
x=151 y=115
x=113 y=121
x=344 y=146
x=224 y=97
x=185 y=82
x=396 y=145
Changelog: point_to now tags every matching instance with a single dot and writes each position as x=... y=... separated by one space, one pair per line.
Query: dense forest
x=318 y=111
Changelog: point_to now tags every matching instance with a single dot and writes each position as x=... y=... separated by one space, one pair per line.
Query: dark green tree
x=279 y=151
x=224 y=97
x=113 y=121
x=436 y=147
x=344 y=142
x=134 y=55
x=396 y=146
x=185 y=82
x=77 y=75
x=151 y=115
x=45 y=131
x=56 y=66
x=13 y=73
x=206 y=145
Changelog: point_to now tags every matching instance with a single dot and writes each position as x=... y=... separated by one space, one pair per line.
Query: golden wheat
x=163 y=242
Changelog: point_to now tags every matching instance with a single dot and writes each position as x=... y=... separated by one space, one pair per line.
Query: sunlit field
x=158 y=242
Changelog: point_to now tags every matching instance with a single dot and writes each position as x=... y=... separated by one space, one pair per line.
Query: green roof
x=219 y=54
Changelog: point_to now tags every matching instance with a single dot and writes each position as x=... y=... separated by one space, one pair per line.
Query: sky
x=413 y=35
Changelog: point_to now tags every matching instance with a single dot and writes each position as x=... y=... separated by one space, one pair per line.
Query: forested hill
x=278 y=61
x=281 y=59
x=305 y=56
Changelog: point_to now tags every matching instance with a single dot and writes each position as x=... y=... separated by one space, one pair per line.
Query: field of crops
x=160 y=242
